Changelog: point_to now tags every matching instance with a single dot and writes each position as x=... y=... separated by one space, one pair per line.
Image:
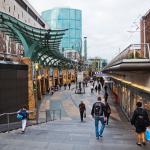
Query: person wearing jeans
x=99 y=114
x=98 y=131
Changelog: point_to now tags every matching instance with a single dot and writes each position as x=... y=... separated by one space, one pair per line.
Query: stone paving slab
x=69 y=133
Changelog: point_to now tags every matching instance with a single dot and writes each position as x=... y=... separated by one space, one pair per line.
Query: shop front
x=128 y=95
x=56 y=77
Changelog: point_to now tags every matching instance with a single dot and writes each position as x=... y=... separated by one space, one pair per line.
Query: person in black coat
x=140 y=120
x=108 y=111
x=106 y=96
x=82 y=110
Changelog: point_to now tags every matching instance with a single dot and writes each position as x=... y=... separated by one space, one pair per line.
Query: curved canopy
x=40 y=45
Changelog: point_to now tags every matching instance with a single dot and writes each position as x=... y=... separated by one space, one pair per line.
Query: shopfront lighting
x=36 y=66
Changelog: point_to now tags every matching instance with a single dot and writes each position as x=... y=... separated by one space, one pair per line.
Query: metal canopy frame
x=40 y=45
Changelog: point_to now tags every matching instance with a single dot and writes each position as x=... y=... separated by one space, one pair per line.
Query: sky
x=109 y=25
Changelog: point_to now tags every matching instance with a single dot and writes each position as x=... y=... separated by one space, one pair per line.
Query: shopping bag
x=19 y=116
x=147 y=134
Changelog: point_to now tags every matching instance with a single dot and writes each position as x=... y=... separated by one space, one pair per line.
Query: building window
x=14 y=7
x=9 y=9
x=18 y=16
x=22 y=14
x=4 y=1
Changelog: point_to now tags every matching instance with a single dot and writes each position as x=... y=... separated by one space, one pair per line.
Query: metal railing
x=133 y=51
x=9 y=121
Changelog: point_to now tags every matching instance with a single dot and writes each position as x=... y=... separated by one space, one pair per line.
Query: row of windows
x=31 y=13
x=62 y=14
x=65 y=24
x=21 y=15
x=71 y=43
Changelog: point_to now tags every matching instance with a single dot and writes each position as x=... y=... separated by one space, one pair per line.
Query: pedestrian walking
x=106 y=96
x=69 y=85
x=102 y=81
x=140 y=120
x=99 y=114
x=22 y=115
x=99 y=88
x=96 y=88
x=92 y=88
x=82 y=110
x=108 y=111
x=105 y=88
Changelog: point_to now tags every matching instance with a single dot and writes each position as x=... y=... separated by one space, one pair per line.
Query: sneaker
x=139 y=144
x=100 y=135
x=97 y=138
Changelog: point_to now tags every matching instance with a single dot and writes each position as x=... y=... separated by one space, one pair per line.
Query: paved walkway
x=69 y=133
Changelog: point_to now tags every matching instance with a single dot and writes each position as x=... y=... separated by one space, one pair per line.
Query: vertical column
x=31 y=98
x=85 y=48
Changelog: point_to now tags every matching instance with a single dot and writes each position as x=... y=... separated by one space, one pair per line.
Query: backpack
x=140 y=120
x=98 y=109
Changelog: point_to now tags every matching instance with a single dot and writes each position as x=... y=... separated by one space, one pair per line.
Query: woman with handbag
x=140 y=120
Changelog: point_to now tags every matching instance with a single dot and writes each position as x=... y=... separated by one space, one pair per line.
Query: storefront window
x=146 y=104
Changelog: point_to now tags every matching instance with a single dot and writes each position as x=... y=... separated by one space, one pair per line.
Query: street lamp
x=36 y=96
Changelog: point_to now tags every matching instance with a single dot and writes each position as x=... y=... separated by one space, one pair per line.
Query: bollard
x=60 y=114
x=53 y=115
x=48 y=115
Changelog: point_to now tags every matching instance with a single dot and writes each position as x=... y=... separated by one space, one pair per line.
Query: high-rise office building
x=66 y=18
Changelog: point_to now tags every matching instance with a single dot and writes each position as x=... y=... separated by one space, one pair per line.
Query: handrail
x=50 y=115
x=131 y=51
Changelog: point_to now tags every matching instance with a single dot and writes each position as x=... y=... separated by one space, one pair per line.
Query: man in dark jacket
x=82 y=110
x=99 y=114
x=140 y=120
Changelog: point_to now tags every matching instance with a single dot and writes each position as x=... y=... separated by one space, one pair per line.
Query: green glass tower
x=66 y=18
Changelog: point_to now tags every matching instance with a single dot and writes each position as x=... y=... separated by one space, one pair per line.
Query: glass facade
x=66 y=18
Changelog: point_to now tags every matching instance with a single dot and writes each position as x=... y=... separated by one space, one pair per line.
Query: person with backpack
x=99 y=114
x=82 y=110
x=22 y=115
x=108 y=111
x=140 y=120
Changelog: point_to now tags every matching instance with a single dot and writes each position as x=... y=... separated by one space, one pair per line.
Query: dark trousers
x=81 y=115
x=108 y=115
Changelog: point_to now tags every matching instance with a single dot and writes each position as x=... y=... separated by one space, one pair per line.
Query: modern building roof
x=40 y=45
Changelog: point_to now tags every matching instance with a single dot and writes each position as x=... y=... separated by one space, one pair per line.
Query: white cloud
x=105 y=22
